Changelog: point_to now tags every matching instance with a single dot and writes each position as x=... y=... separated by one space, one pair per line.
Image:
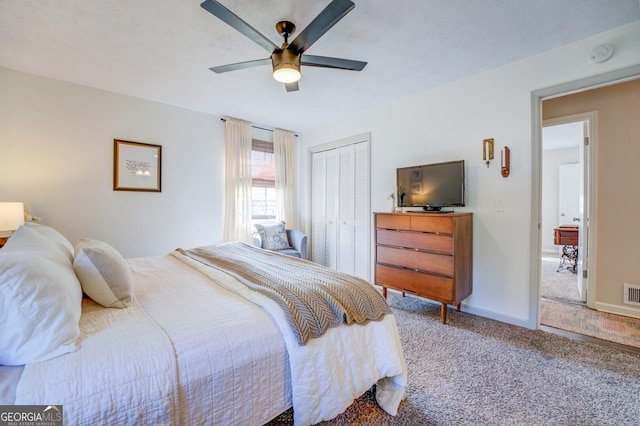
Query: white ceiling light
x=286 y=66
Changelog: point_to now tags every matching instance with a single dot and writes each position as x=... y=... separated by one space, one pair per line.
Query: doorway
x=565 y=213
x=597 y=96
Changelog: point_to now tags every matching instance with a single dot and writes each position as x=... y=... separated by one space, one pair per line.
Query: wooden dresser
x=427 y=254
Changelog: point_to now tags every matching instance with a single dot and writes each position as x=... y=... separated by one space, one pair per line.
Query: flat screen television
x=431 y=186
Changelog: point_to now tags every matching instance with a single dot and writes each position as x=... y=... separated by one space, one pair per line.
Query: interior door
x=362 y=212
x=573 y=199
x=346 y=189
x=331 y=210
x=318 y=207
x=570 y=208
x=574 y=186
x=585 y=190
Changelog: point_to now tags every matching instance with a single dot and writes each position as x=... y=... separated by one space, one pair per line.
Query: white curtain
x=237 y=140
x=284 y=154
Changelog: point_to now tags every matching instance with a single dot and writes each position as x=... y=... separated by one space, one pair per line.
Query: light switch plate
x=499 y=206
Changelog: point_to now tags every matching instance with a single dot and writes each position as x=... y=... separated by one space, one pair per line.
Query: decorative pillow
x=273 y=236
x=54 y=236
x=40 y=306
x=104 y=274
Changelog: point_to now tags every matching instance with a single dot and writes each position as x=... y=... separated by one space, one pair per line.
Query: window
x=263 y=180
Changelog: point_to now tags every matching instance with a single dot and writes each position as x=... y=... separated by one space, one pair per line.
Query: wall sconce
x=487 y=151
x=11 y=217
x=505 y=162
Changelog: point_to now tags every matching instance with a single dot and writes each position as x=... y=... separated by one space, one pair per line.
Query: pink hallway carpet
x=582 y=320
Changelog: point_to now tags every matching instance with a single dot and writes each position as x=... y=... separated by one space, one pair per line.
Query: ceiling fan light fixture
x=286 y=74
x=286 y=66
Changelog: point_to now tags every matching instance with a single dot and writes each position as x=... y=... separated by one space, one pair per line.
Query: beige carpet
x=476 y=371
x=560 y=285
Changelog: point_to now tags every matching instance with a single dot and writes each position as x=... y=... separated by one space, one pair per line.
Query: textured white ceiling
x=162 y=49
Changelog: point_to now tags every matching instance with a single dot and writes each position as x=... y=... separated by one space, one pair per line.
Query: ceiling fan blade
x=230 y=18
x=327 y=62
x=335 y=11
x=240 y=65
x=292 y=87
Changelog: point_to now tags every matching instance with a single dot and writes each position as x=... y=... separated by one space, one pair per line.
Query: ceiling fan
x=287 y=59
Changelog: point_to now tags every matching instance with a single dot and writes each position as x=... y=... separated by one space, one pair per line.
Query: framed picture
x=136 y=166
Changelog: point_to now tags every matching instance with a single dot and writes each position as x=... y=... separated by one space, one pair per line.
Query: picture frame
x=137 y=166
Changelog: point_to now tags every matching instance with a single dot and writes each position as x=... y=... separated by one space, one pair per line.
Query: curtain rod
x=258 y=127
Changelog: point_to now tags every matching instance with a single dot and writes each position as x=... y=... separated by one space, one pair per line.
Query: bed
x=183 y=341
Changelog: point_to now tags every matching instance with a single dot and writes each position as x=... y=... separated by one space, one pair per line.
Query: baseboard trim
x=481 y=312
x=617 y=309
x=521 y=322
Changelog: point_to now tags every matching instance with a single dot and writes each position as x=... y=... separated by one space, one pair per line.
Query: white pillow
x=40 y=306
x=274 y=236
x=54 y=236
x=27 y=240
x=104 y=274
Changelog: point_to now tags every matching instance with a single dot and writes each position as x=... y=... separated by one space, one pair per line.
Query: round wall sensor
x=600 y=53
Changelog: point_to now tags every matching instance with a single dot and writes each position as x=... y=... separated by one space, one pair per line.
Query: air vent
x=632 y=294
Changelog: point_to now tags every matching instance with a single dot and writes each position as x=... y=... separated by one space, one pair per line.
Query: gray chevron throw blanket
x=313 y=298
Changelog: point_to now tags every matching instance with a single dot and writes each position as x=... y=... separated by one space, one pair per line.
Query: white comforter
x=329 y=372
x=201 y=354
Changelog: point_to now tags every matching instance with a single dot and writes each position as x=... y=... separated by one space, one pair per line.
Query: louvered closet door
x=331 y=210
x=343 y=225
x=345 y=209
x=361 y=211
x=318 y=206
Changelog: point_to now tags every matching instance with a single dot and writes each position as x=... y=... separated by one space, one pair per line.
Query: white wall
x=56 y=153
x=551 y=161
x=449 y=123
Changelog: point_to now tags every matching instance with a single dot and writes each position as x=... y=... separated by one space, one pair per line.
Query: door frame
x=589 y=223
x=537 y=96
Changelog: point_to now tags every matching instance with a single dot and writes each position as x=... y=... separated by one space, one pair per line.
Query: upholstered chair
x=276 y=237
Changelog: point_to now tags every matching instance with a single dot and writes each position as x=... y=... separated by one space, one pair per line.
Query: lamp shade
x=11 y=216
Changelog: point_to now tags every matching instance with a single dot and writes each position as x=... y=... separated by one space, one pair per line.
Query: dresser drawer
x=430 y=286
x=423 y=261
x=419 y=240
x=393 y=221
x=432 y=223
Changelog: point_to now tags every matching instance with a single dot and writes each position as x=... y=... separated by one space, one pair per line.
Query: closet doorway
x=340 y=205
